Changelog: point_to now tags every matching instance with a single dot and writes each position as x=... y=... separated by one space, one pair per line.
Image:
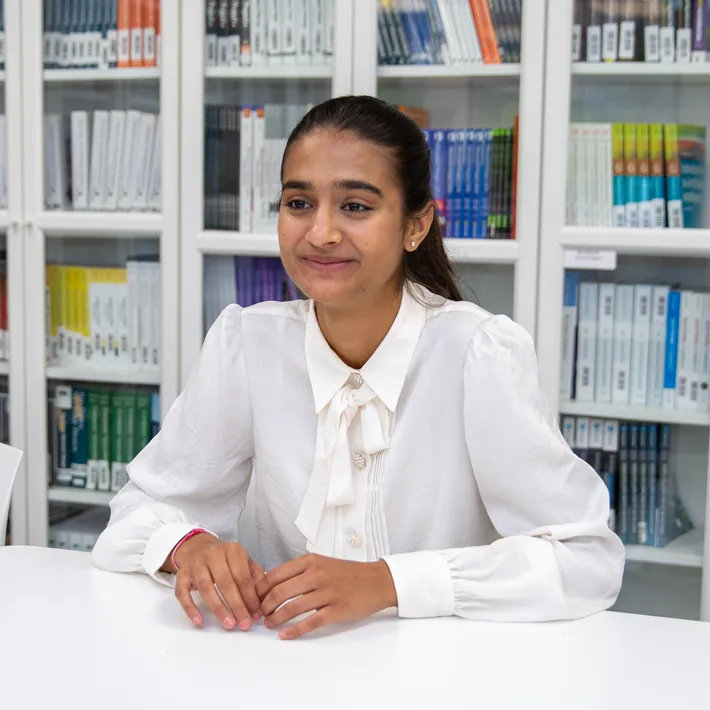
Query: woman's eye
x=297 y=204
x=356 y=207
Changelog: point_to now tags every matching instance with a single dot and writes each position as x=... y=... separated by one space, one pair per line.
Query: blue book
x=485 y=184
x=477 y=196
x=425 y=30
x=154 y=414
x=652 y=463
x=624 y=502
x=469 y=173
x=450 y=181
x=400 y=30
x=440 y=48
x=438 y=148
x=670 y=360
x=642 y=522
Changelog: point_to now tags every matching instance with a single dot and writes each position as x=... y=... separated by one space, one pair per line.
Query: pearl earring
x=414 y=244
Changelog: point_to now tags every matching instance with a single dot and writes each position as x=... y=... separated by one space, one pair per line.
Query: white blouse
x=439 y=456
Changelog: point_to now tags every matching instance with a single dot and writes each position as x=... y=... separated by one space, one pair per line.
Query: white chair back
x=9 y=465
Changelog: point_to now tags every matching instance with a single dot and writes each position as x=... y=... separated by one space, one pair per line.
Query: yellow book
x=83 y=344
x=62 y=312
x=97 y=340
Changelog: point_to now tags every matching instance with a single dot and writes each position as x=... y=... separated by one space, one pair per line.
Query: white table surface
x=72 y=636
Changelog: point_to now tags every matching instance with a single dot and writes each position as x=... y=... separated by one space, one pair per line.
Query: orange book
x=136 y=24
x=123 y=35
x=150 y=31
x=514 y=199
x=486 y=32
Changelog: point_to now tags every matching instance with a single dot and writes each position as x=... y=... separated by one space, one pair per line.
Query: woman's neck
x=355 y=332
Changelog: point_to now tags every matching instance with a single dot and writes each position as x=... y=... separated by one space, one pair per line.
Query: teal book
x=79 y=448
x=685 y=174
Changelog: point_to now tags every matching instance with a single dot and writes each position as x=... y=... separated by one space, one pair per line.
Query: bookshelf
x=271 y=73
x=494 y=72
x=625 y=92
x=97 y=245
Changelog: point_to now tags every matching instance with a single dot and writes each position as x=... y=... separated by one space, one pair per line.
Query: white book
x=144 y=162
x=99 y=150
x=96 y=317
x=472 y=37
x=604 y=174
x=134 y=312
x=235 y=38
x=55 y=162
x=114 y=156
x=463 y=32
x=623 y=325
x=694 y=355
x=587 y=341
x=666 y=37
x=610 y=41
x=317 y=15
x=131 y=138
x=145 y=285
x=685 y=340
x=259 y=48
x=303 y=31
x=593 y=175
x=273 y=31
x=328 y=30
x=121 y=318
x=448 y=21
x=288 y=32
x=704 y=382
x=155 y=357
x=581 y=434
x=605 y=342
x=657 y=346
x=258 y=208
x=155 y=184
x=246 y=170
x=582 y=217
x=640 y=336
x=80 y=159
x=3 y=162
x=652 y=43
x=572 y=209
x=569 y=430
x=684 y=44
x=106 y=296
x=627 y=39
x=596 y=434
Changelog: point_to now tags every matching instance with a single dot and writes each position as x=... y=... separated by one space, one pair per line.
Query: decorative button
x=359 y=460
x=357 y=380
x=354 y=540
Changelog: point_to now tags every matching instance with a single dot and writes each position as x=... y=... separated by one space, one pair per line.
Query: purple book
x=701 y=45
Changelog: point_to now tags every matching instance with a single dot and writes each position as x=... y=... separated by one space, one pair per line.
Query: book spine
x=630 y=24
x=704 y=388
x=245 y=33
x=78 y=438
x=459 y=184
x=610 y=464
x=587 y=341
x=154 y=414
x=645 y=203
x=630 y=176
x=652 y=477
x=623 y=324
x=288 y=32
x=642 y=524
x=594 y=32
x=684 y=351
x=569 y=334
x=657 y=346
x=624 y=487
x=129 y=432
x=63 y=474
x=691 y=155
x=99 y=146
x=259 y=34
x=493 y=183
x=578 y=27
x=211 y=33
x=610 y=31
x=670 y=368
x=224 y=45
x=701 y=40
x=605 y=342
x=441 y=49
x=151 y=9
x=142 y=421
x=117 y=441
x=438 y=151
x=478 y=230
x=104 y=456
x=123 y=33
x=658 y=175
x=273 y=28
x=634 y=503
x=486 y=181
x=661 y=537
x=684 y=33
x=328 y=30
x=696 y=350
x=112 y=36
x=469 y=171
x=485 y=31
x=640 y=343
x=667 y=34
x=450 y=181
x=652 y=30
x=674 y=189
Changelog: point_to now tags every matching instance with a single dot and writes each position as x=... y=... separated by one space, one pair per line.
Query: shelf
x=80 y=496
x=469 y=251
x=642 y=71
x=272 y=73
x=66 y=76
x=448 y=71
x=119 y=377
x=100 y=224
x=684 y=551
x=637 y=413
x=648 y=242
x=4 y=367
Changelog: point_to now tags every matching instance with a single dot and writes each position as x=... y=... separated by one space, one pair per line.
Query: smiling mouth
x=328 y=265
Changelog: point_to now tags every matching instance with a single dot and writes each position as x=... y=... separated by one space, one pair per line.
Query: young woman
x=402 y=452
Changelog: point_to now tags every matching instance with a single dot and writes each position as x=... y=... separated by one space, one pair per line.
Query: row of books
x=4 y=327
x=109 y=318
x=636 y=175
x=473 y=180
x=244 y=280
x=449 y=31
x=101 y=34
x=641 y=345
x=650 y=31
x=95 y=433
x=103 y=161
x=79 y=529
x=633 y=460
x=269 y=32
x=244 y=146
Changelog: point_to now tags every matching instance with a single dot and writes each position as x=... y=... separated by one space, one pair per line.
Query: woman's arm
x=557 y=558
x=195 y=473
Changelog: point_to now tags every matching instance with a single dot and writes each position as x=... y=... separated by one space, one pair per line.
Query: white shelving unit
x=91 y=238
x=448 y=71
x=271 y=73
x=626 y=92
x=4 y=368
x=78 y=496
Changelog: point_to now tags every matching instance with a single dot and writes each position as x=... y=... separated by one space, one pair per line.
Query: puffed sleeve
x=557 y=557
x=196 y=472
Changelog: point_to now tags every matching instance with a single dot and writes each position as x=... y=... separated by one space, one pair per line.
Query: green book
x=104 y=464
x=78 y=438
x=62 y=436
x=92 y=437
x=143 y=424
x=118 y=444
x=129 y=430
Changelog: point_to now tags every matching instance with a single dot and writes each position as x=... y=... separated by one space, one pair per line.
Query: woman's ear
x=418 y=227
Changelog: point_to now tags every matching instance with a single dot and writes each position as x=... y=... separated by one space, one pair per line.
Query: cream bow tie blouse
x=439 y=456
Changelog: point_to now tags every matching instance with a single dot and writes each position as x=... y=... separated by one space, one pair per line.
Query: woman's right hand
x=205 y=562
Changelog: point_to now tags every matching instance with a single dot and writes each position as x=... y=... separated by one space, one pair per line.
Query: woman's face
x=342 y=225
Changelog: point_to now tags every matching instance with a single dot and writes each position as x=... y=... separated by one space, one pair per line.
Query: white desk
x=74 y=637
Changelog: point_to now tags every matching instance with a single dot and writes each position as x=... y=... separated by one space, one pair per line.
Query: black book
x=211 y=33
x=245 y=34
x=235 y=32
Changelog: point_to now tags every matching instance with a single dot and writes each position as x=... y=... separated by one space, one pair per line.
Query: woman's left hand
x=336 y=590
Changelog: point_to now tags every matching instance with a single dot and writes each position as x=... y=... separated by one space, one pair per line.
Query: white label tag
x=667 y=44
x=62 y=397
x=627 y=45
x=576 y=43
x=590 y=259
x=611 y=42
x=594 y=41
x=683 y=43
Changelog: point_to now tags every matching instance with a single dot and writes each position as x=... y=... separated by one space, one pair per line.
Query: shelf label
x=592 y=259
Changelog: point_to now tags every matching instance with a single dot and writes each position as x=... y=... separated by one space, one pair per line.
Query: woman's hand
x=203 y=563
x=336 y=590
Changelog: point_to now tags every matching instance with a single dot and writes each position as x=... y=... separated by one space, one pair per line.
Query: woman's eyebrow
x=358 y=185
x=297 y=185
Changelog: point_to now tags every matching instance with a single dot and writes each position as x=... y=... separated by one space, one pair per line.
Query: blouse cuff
x=423 y=584
x=159 y=547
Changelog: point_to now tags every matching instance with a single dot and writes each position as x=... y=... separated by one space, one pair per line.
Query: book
x=605 y=342
x=79 y=450
x=640 y=336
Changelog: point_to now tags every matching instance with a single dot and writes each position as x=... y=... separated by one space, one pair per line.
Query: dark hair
x=381 y=123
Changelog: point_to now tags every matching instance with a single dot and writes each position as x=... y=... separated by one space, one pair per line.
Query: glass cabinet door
x=100 y=251
x=627 y=254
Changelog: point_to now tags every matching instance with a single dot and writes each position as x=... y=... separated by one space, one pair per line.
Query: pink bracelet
x=187 y=537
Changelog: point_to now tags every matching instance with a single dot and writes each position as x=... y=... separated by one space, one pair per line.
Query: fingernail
x=283 y=635
x=256 y=616
x=229 y=623
x=196 y=620
x=245 y=625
